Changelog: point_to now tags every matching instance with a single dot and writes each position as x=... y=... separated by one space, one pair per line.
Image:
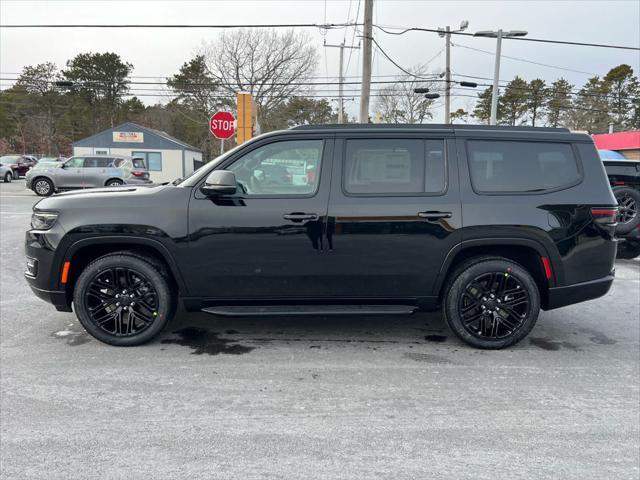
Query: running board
x=289 y=310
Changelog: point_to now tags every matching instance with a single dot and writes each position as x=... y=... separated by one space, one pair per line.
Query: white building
x=167 y=158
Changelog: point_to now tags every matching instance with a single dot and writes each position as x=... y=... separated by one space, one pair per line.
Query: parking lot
x=323 y=397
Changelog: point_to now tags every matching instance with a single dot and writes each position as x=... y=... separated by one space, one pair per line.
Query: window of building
x=394 y=166
x=509 y=166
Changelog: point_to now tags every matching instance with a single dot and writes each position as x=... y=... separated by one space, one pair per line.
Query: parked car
x=491 y=224
x=624 y=178
x=19 y=164
x=89 y=171
x=6 y=173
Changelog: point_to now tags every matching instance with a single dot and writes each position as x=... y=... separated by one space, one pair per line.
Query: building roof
x=618 y=141
x=159 y=139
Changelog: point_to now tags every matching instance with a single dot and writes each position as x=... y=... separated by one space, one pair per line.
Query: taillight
x=138 y=174
x=605 y=216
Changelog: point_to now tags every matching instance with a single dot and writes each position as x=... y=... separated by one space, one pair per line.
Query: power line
x=522 y=59
x=522 y=39
x=326 y=26
x=392 y=61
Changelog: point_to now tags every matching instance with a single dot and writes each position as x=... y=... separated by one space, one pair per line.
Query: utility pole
x=342 y=46
x=447 y=74
x=366 y=61
x=446 y=33
x=499 y=35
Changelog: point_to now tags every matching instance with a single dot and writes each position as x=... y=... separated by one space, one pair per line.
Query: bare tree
x=399 y=103
x=268 y=64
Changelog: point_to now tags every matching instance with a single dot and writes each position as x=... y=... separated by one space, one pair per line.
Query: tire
x=105 y=312
x=43 y=187
x=628 y=199
x=468 y=296
x=628 y=250
x=8 y=177
x=15 y=174
x=114 y=182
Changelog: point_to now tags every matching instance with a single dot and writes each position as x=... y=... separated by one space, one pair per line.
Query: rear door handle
x=299 y=217
x=434 y=215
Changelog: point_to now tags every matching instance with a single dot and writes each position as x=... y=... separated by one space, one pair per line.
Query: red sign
x=222 y=125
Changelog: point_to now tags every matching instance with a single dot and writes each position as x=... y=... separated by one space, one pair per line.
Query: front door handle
x=434 y=215
x=299 y=217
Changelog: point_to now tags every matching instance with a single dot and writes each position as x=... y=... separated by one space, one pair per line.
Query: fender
x=137 y=240
x=506 y=241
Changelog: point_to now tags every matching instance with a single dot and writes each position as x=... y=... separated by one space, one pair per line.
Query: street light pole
x=496 y=75
x=499 y=35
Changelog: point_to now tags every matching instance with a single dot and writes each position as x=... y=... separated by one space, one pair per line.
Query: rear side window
x=509 y=166
x=394 y=166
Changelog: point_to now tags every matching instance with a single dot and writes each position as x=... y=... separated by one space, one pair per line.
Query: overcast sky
x=160 y=52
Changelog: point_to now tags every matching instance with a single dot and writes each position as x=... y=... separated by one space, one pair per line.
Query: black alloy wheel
x=493 y=305
x=491 y=302
x=628 y=199
x=628 y=208
x=123 y=299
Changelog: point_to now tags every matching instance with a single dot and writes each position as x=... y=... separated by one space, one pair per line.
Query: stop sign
x=222 y=125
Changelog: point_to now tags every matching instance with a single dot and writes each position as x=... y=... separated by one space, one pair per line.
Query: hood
x=115 y=196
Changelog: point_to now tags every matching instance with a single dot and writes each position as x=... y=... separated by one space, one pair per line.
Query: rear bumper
x=579 y=292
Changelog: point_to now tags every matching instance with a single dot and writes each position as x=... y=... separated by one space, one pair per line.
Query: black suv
x=624 y=177
x=490 y=223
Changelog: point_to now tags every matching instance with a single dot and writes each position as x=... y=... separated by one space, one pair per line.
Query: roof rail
x=423 y=126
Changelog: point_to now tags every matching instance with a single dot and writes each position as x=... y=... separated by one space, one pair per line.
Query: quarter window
x=280 y=168
x=509 y=166
x=394 y=166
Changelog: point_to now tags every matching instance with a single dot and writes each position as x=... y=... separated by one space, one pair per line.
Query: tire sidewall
x=145 y=268
x=474 y=270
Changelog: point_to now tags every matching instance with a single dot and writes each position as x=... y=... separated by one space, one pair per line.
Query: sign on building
x=128 y=137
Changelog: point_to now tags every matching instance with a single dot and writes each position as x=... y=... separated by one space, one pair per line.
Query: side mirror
x=220 y=182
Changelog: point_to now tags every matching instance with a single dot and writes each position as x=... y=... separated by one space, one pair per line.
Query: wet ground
x=396 y=397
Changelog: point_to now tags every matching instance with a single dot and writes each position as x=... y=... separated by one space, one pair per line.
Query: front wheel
x=123 y=300
x=8 y=177
x=43 y=187
x=492 y=303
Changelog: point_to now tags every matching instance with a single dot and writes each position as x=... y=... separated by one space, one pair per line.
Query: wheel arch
x=106 y=182
x=84 y=251
x=526 y=252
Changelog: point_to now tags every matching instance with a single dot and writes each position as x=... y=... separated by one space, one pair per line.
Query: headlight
x=43 y=220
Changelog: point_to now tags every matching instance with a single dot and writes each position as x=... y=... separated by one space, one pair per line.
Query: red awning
x=618 y=141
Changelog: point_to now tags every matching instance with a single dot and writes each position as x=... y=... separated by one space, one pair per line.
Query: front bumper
x=42 y=272
x=579 y=292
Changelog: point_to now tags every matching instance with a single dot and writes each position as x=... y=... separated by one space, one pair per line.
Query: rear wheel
x=628 y=250
x=491 y=303
x=8 y=177
x=123 y=300
x=114 y=183
x=628 y=199
x=43 y=187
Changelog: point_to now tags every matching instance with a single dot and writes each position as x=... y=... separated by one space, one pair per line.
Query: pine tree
x=558 y=102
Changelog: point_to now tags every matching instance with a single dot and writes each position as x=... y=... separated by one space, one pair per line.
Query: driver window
x=75 y=162
x=280 y=168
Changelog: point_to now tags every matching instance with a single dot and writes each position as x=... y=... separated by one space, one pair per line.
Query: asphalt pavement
x=327 y=398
